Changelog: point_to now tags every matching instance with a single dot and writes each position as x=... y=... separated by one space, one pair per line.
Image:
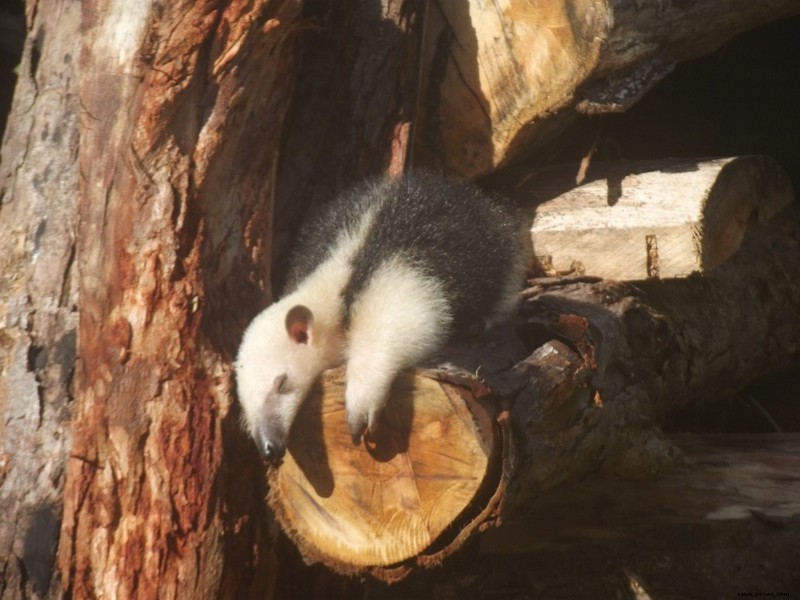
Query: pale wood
x=388 y=499
x=500 y=79
x=634 y=220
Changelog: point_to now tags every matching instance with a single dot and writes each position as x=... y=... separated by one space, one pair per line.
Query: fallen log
x=719 y=479
x=638 y=219
x=500 y=79
x=579 y=383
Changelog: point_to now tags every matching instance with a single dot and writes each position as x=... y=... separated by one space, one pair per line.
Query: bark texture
x=184 y=110
x=183 y=105
x=38 y=298
x=637 y=351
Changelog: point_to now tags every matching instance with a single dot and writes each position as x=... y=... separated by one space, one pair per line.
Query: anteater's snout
x=271 y=450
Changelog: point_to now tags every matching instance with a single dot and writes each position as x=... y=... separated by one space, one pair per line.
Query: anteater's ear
x=299 y=323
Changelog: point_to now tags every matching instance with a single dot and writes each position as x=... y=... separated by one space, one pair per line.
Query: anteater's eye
x=279 y=384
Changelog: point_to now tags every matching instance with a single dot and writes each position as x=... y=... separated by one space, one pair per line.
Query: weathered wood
x=631 y=353
x=608 y=361
x=500 y=79
x=38 y=298
x=634 y=220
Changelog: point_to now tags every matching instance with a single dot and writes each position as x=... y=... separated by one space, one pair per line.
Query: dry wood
x=608 y=360
x=634 y=220
x=505 y=78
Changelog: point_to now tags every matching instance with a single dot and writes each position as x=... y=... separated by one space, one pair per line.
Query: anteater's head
x=278 y=362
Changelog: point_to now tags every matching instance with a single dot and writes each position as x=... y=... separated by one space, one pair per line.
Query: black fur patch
x=318 y=236
x=450 y=231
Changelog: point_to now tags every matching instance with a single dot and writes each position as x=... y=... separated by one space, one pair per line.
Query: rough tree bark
x=38 y=297
x=182 y=111
x=182 y=108
x=183 y=115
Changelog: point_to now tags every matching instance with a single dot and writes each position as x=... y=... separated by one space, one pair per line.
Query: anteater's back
x=450 y=231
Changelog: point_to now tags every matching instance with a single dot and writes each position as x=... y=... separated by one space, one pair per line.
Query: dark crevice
x=12 y=40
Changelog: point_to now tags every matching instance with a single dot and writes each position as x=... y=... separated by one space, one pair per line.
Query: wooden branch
x=634 y=220
x=608 y=359
x=500 y=80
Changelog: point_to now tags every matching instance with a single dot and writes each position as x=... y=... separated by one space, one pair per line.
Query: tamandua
x=380 y=280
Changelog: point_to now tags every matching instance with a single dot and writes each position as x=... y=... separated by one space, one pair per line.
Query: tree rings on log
x=405 y=492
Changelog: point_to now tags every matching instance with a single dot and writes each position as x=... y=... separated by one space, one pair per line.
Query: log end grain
x=391 y=497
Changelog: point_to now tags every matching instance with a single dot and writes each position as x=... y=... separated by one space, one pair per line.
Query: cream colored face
x=275 y=368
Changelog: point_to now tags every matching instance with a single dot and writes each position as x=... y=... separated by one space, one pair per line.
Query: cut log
x=385 y=501
x=504 y=78
x=607 y=361
x=634 y=220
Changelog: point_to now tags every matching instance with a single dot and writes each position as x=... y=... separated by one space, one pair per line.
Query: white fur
x=399 y=319
x=267 y=350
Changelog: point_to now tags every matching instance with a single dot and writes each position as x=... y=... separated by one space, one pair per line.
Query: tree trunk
x=184 y=108
x=38 y=298
x=610 y=360
x=182 y=112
